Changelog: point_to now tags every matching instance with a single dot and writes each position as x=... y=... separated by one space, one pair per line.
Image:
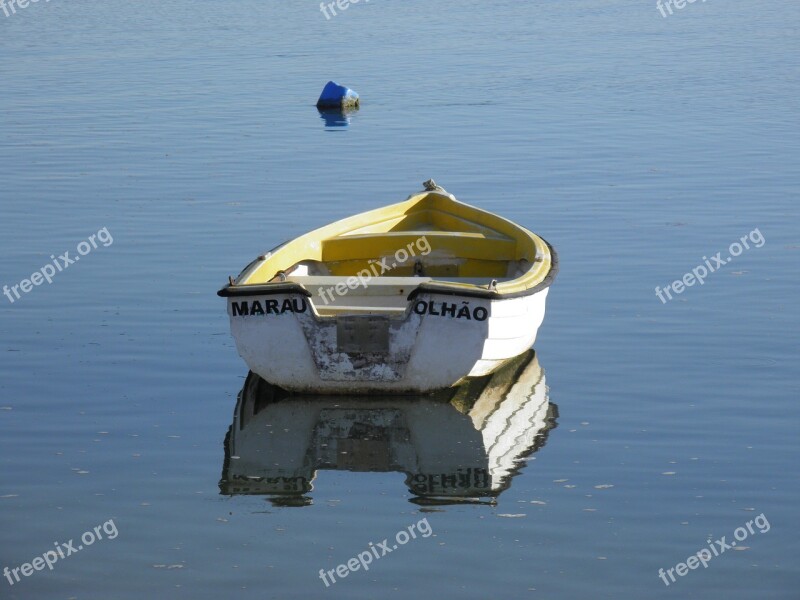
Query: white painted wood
x=429 y=351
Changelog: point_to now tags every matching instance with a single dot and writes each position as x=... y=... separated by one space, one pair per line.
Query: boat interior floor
x=371 y=270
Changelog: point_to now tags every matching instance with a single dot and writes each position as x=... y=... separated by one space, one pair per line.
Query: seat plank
x=457 y=244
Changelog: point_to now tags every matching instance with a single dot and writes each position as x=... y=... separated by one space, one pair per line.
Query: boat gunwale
x=437 y=287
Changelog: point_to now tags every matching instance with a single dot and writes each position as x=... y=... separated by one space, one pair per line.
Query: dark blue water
x=636 y=144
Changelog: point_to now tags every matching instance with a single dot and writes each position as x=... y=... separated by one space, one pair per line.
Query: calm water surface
x=636 y=144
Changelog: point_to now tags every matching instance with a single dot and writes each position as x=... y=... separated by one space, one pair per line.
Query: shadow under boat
x=464 y=444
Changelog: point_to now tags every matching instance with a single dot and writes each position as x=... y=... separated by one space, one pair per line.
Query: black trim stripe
x=263 y=289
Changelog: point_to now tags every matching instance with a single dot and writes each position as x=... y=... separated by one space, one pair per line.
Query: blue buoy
x=337 y=96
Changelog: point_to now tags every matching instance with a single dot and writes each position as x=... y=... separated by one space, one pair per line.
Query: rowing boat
x=406 y=299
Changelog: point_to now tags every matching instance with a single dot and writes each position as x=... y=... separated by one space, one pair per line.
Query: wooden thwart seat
x=461 y=244
x=377 y=286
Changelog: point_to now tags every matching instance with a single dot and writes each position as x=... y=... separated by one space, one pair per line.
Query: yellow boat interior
x=370 y=262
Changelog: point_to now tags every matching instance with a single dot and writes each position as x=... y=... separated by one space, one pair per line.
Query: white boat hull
x=440 y=340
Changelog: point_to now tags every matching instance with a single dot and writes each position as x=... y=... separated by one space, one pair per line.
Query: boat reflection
x=464 y=444
x=336 y=117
